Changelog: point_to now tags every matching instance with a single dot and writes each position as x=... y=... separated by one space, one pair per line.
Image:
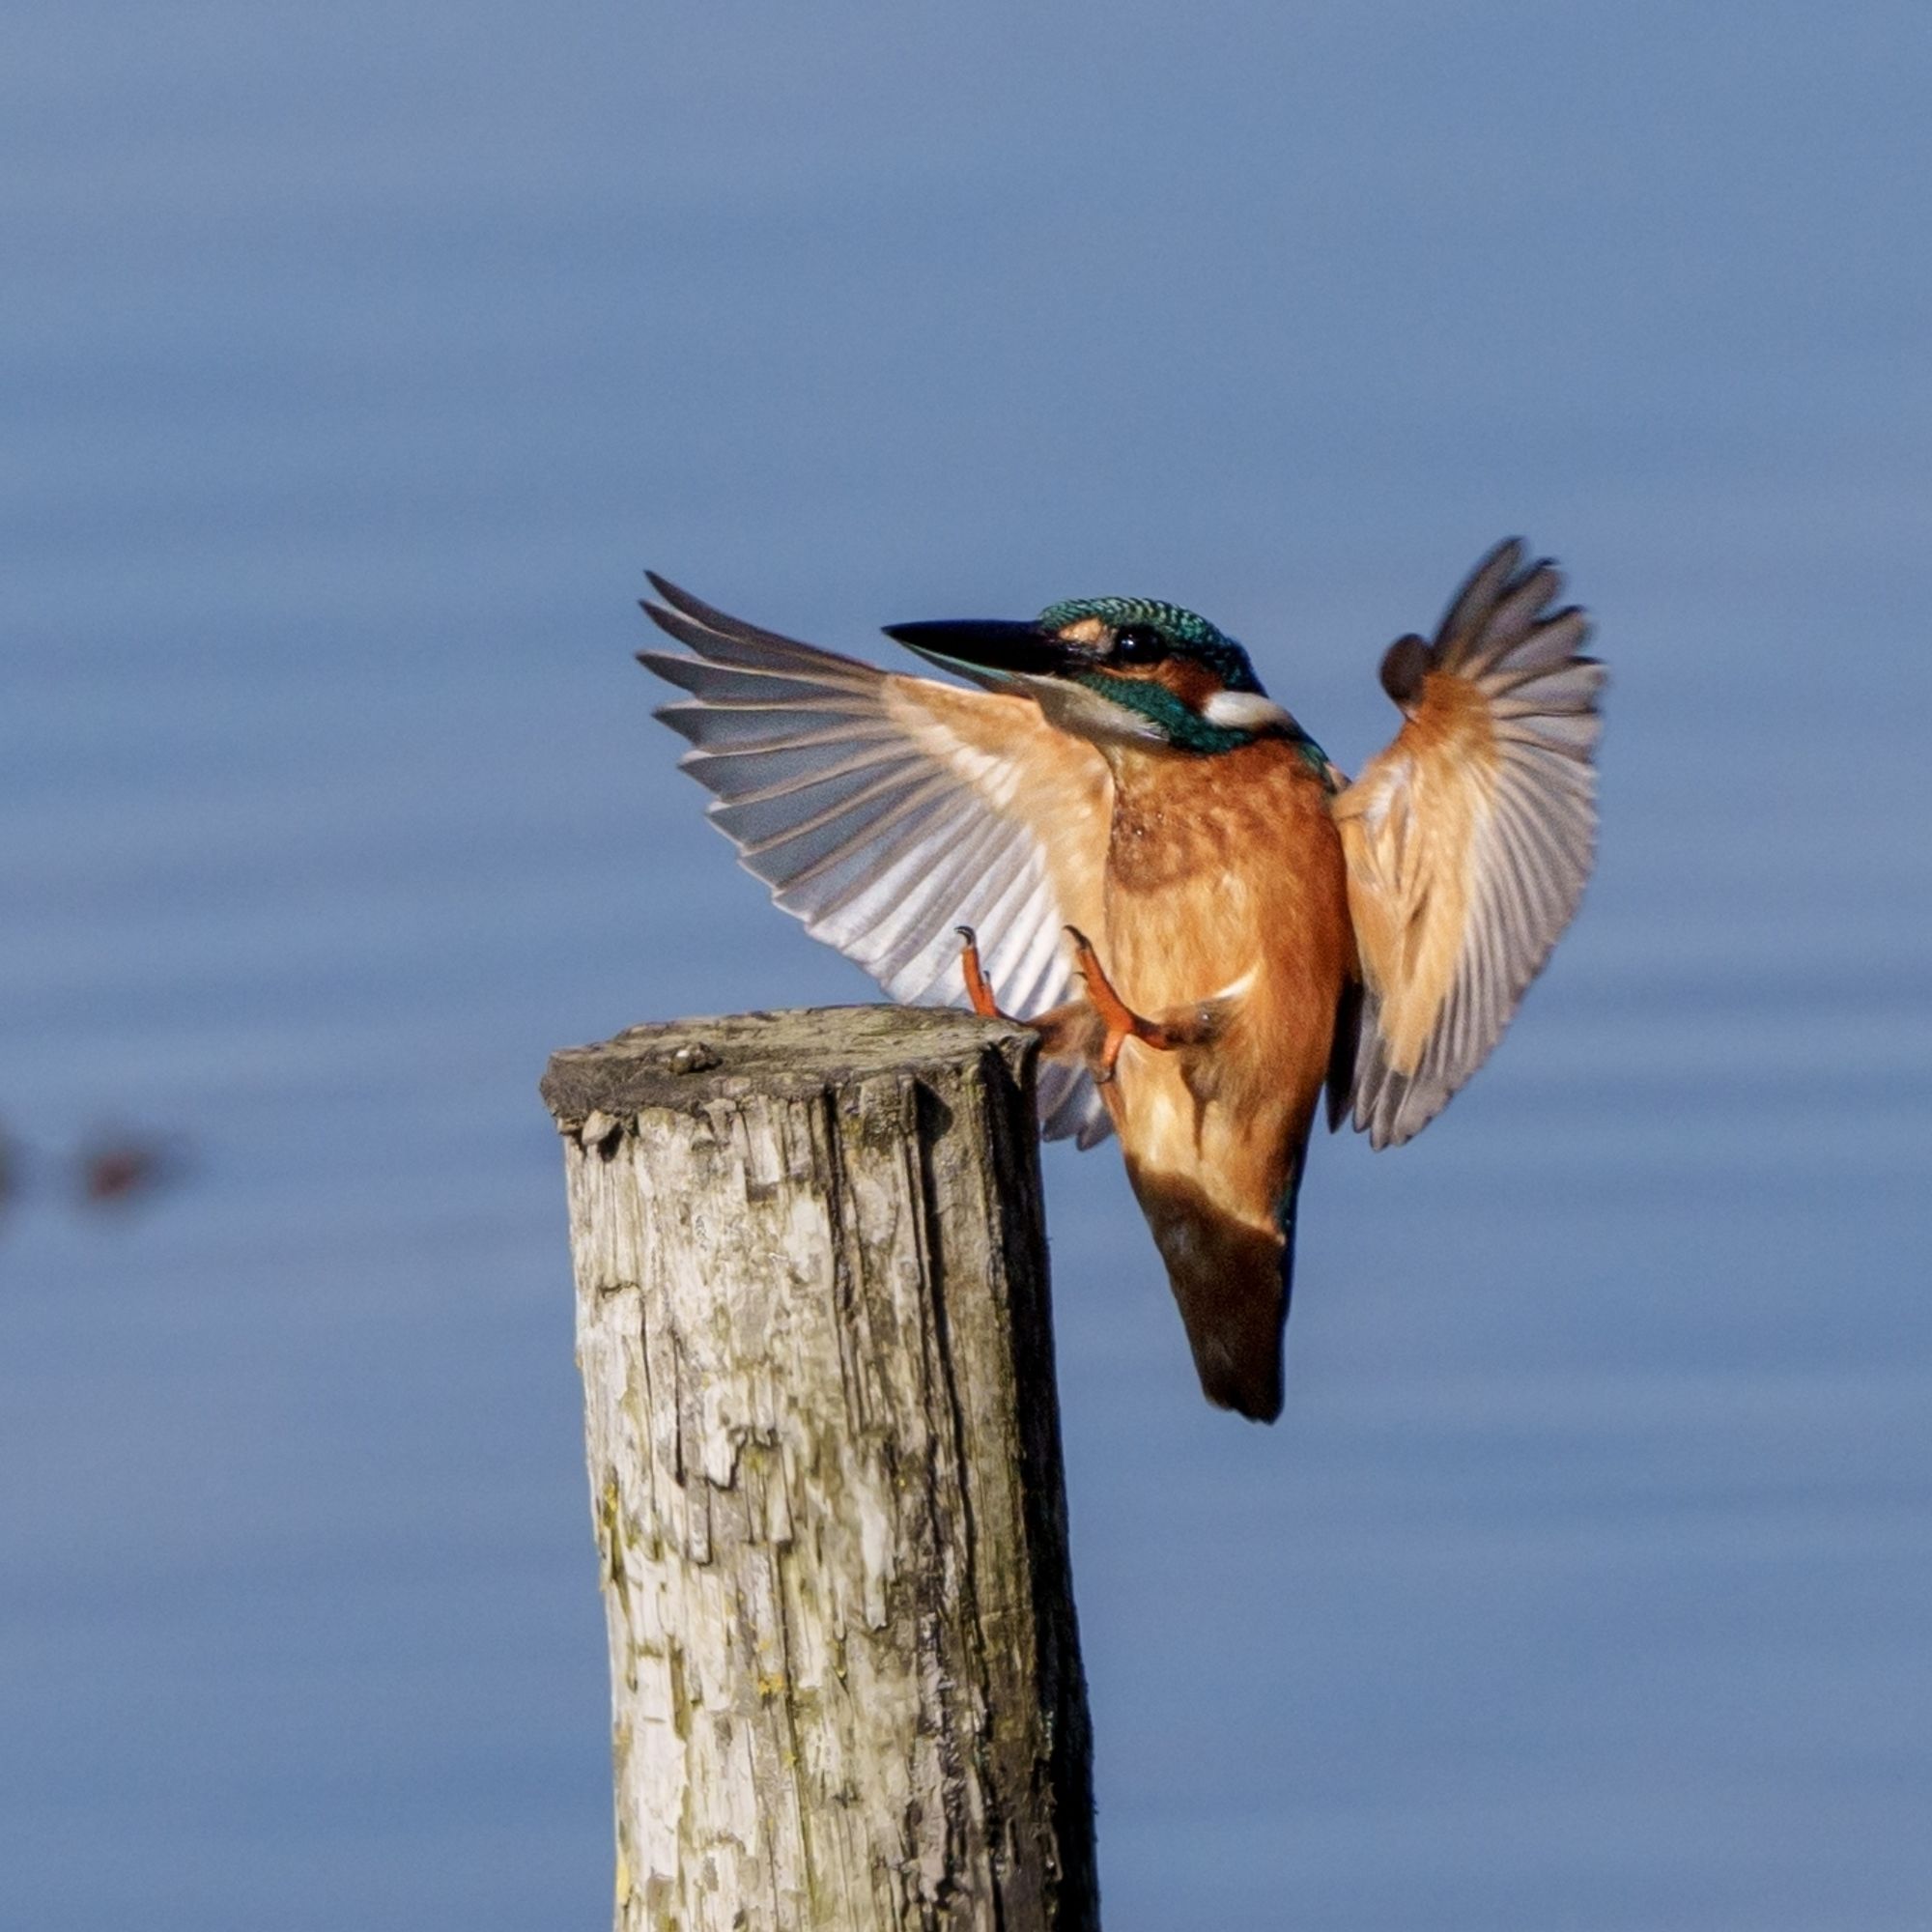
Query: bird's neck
x=1177 y=815
x=1149 y=776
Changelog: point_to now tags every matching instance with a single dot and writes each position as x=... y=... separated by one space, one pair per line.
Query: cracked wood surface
x=813 y=1321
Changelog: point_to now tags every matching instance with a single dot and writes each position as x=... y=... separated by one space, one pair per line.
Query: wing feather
x=1470 y=839
x=885 y=810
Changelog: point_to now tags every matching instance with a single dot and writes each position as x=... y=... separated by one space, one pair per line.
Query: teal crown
x=1189 y=634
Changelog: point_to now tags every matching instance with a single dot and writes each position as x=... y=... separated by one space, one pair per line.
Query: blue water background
x=355 y=362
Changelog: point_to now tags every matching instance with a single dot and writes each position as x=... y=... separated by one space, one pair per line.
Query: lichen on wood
x=813 y=1329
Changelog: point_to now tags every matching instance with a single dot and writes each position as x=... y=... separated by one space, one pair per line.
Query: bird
x=1111 y=833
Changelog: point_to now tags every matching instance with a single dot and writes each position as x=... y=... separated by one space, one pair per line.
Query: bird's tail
x=1232 y=1280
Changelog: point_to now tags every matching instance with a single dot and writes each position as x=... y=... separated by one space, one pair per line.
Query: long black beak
x=981 y=646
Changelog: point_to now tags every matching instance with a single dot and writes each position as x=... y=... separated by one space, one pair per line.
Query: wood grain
x=813 y=1326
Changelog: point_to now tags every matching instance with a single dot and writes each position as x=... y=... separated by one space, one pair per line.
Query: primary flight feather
x=1155 y=865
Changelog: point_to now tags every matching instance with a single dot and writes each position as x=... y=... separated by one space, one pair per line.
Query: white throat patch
x=1082 y=710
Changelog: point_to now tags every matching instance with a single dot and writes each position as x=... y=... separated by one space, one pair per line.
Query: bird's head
x=1115 y=671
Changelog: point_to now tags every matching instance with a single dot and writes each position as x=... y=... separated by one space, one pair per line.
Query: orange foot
x=977 y=990
x=1069 y=1032
x=1119 y=1019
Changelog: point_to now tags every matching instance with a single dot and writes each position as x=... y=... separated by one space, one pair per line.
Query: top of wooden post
x=690 y=1063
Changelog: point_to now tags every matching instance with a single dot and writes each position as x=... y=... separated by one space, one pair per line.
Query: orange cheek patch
x=1192 y=683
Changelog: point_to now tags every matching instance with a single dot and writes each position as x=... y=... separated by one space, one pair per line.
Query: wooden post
x=812 y=1320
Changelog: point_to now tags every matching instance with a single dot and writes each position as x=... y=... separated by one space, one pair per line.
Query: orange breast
x=1225 y=878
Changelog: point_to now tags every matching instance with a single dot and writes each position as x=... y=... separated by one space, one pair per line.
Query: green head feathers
x=1223 y=724
x=1187 y=633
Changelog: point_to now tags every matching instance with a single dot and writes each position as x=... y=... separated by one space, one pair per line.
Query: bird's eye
x=1138 y=644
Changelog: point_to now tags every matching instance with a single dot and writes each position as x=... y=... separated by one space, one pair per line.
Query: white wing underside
x=863 y=801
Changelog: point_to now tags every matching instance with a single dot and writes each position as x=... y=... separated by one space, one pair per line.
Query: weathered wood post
x=812 y=1320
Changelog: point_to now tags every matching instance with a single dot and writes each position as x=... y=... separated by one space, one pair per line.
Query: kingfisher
x=1112 y=832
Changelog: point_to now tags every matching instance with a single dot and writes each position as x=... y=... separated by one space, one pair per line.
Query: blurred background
x=360 y=359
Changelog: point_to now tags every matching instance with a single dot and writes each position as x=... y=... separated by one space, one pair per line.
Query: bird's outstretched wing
x=1469 y=839
x=883 y=810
